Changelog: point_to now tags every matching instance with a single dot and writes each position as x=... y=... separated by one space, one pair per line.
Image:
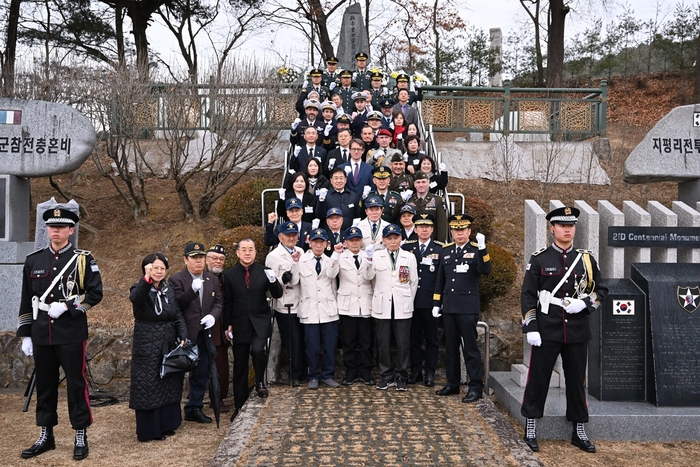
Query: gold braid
x=589 y=271
x=81 y=272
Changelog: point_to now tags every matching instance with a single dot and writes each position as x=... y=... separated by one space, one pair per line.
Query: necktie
x=247 y=278
x=374 y=229
x=393 y=259
x=337 y=238
x=318 y=265
x=458 y=251
x=356 y=174
x=357 y=262
x=311 y=153
x=422 y=249
x=345 y=155
x=403 y=109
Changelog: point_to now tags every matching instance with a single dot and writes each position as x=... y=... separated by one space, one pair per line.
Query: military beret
x=385 y=132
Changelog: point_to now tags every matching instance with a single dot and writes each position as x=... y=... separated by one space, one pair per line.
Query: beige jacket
x=397 y=285
x=318 y=304
x=354 y=292
x=280 y=261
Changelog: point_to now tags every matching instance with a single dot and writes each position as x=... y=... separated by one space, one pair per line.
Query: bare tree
x=533 y=9
x=9 y=55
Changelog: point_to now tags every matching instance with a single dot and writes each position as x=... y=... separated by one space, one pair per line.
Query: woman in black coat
x=297 y=187
x=316 y=179
x=158 y=324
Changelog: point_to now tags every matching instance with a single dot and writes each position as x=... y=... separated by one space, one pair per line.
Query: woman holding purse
x=158 y=326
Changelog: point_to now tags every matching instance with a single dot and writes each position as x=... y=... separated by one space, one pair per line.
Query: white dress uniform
x=367 y=238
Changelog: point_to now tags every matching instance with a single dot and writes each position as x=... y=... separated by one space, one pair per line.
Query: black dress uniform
x=561 y=333
x=60 y=342
x=457 y=291
x=424 y=325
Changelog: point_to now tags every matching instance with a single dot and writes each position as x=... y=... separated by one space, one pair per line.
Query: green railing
x=565 y=113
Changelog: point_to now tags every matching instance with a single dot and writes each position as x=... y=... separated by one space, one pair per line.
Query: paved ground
x=362 y=426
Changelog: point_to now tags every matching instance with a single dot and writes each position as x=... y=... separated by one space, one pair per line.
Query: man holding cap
x=199 y=297
x=457 y=294
x=59 y=285
x=318 y=310
x=394 y=276
x=561 y=288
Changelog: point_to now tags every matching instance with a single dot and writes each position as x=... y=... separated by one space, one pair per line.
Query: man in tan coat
x=355 y=310
x=394 y=275
x=318 y=311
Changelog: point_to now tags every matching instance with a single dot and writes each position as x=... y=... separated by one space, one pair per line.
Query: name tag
x=351 y=205
x=427 y=261
x=462 y=268
x=309 y=209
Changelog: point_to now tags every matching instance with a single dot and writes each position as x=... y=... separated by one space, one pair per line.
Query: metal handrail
x=456 y=195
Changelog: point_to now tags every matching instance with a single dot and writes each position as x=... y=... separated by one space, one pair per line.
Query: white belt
x=44 y=306
x=562 y=302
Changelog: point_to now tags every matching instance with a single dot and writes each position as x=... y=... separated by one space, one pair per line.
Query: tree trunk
x=438 y=62
x=185 y=201
x=538 y=49
x=119 y=36
x=555 y=43
x=139 y=23
x=318 y=16
x=8 y=66
x=696 y=94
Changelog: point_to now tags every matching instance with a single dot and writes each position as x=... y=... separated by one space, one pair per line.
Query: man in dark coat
x=55 y=330
x=457 y=293
x=249 y=318
x=199 y=297
x=561 y=288
x=340 y=197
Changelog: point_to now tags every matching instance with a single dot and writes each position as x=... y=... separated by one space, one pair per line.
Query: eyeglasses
x=356 y=149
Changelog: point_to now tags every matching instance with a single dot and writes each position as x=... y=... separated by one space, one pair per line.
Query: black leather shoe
x=369 y=381
x=235 y=413
x=197 y=416
x=45 y=443
x=348 y=380
x=582 y=444
x=261 y=390
x=415 y=378
x=169 y=433
x=532 y=444
x=447 y=391
x=429 y=380
x=473 y=395
x=295 y=383
x=81 y=449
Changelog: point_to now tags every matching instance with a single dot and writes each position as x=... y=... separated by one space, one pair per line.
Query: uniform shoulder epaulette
x=474 y=244
x=409 y=241
x=539 y=251
x=437 y=242
x=581 y=250
x=35 y=251
x=447 y=245
x=395 y=192
x=81 y=252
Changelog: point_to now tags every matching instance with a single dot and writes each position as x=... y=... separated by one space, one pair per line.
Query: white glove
x=296 y=123
x=283 y=193
x=297 y=150
x=322 y=194
x=197 y=284
x=533 y=338
x=315 y=223
x=443 y=167
x=481 y=241
x=331 y=164
x=378 y=153
x=406 y=195
x=327 y=130
x=305 y=85
x=417 y=84
x=56 y=309
x=369 y=250
x=347 y=169
x=331 y=86
x=354 y=76
x=207 y=321
x=365 y=191
x=436 y=312
x=27 y=346
x=405 y=155
x=400 y=138
x=270 y=275
x=356 y=222
x=391 y=125
x=576 y=305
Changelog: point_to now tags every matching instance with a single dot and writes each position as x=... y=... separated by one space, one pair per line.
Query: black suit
x=247 y=312
x=334 y=158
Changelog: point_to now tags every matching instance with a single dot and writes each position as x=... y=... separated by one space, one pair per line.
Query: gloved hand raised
x=436 y=312
x=27 y=346
x=197 y=284
x=296 y=123
x=369 y=251
x=207 y=321
x=287 y=277
x=406 y=195
x=270 y=275
x=331 y=86
x=481 y=240
x=56 y=309
x=576 y=305
x=533 y=338
x=442 y=167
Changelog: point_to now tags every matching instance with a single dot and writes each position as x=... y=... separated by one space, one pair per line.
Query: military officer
x=402 y=83
x=334 y=226
x=59 y=285
x=561 y=288
x=391 y=200
x=299 y=126
x=377 y=91
x=424 y=325
x=361 y=76
x=400 y=180
x=345 y=91
x=373 y=225
x=424 y=201
x=330 y=130
x=331 y=77
x=360 y=115
x=316 y=75
x=383 y=154
x=457 y=293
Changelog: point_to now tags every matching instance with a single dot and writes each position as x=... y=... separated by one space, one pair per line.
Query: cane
x=29 y=391
x=291 y=345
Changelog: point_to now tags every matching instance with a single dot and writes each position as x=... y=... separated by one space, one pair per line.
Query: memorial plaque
x=617 y=352
x=652 y=237
x=673 y=297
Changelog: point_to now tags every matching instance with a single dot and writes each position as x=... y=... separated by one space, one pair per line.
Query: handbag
x=180 y=359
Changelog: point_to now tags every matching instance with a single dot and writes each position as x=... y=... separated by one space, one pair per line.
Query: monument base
x=12 y=255
x=614 y=421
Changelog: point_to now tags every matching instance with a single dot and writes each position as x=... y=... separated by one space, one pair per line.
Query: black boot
x=580 y=440
x=80 y=451
x=43 y=444
x=530 y=437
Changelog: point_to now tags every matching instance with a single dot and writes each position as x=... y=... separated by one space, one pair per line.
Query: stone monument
x=496 y=44
x=37 y=139
x=353 y=36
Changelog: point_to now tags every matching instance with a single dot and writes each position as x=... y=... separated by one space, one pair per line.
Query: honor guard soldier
x=561 y=288
x=345 y=91
x=361 y=76
x=331 y=77
x=376 y=89
x=59 y=285
x=457 y=293
x=426 y=202
x=316 y=75
x=391 y=200
x=424 y=325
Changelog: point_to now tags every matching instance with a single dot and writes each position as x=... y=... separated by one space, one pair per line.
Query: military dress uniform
x=457 y=292
x=392 y=203
x=432 y=204
x=546 y=291
x=328 y=77
x=346 y=93
x=424 y=325
x=59 y=342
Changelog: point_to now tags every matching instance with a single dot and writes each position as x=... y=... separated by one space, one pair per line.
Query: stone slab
x=40 y=138
x=614 y=421
x=353 y=36
x=11 y=279
x=519 y=374
x=14 y=208
x=670 y=151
